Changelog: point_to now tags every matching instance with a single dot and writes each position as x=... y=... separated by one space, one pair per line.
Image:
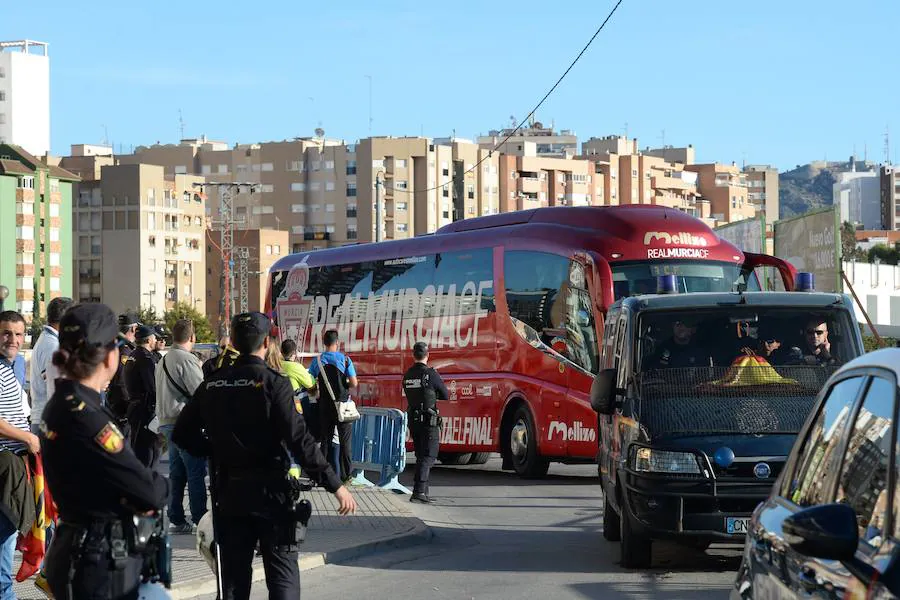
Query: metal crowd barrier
x=379 y=444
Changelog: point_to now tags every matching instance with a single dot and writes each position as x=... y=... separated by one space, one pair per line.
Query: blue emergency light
x=666 y=284
x=805 y=282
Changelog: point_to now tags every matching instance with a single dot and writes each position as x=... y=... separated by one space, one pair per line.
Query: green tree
x=849 y=248
x=147 y=315
x=885 y=254
x=183 y=310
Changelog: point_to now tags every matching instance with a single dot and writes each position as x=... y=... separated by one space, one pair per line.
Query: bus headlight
x=648 y=460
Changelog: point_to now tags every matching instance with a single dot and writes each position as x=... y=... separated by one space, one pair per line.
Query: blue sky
x=765 y=81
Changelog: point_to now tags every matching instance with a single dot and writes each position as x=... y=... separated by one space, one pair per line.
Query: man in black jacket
x=423 y=387
x=245 y=419
x=140 y=381
x=116 y=398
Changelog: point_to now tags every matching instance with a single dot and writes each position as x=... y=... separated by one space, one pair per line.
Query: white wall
x=27 y=105
x=878 y=290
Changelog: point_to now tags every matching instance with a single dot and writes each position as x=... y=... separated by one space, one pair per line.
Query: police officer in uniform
x=140 y=381
x=225 y=358
x=117 y=393
x=246 y=420
x=98 y=483
x=423 y=387
x=163 y=339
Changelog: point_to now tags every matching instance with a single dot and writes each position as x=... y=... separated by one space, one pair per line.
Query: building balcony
x=529 y=185
x=316 y=235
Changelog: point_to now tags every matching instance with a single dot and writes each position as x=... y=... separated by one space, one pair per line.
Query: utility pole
x=369 y=77
x=378 y=209
x=226 y=221
x=243 y=254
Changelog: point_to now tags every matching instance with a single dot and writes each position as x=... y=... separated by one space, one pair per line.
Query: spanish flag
x=32 y=546
x=751 y=370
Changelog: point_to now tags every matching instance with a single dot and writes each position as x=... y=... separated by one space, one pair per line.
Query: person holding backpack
x=178 y=375
x=336 y=376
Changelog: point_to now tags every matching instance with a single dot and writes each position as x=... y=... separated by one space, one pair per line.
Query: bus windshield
x=635 y=278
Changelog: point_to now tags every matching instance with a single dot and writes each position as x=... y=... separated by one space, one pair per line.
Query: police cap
x=161 y=331
x=248 y=330
x=143 y=332
x=128 y=319
x=93 y=324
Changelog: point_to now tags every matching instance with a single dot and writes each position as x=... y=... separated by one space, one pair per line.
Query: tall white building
x=25 y=95
x=859 y=196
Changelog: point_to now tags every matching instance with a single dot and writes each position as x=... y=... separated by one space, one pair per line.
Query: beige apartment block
x=686 y=155
x=531 y=181
x=264 y=248
x=139 y=237
x=762 y=184
x=890 y=197
x=547 y=141
x=725 y=187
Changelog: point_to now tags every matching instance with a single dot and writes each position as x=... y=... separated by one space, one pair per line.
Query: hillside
x=809 y=186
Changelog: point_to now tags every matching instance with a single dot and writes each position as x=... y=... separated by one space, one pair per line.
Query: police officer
x=681 y=350
x=140 y=382
x=98 y=484
x=117 y=393
x=163 y=339
x=245 y=418
x=423 y=387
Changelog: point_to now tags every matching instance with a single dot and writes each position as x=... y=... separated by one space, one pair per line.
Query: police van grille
x=723 y=400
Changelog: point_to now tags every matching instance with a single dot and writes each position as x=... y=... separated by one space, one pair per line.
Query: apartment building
x=685 y=155
x=35 y=230
x=890 y=197
x=140 y=236
x=548 y=142
x=762 y=184
x=858 y=194
x=263 y=247
x=725 y=187
x=531 y=181
x=25 y=95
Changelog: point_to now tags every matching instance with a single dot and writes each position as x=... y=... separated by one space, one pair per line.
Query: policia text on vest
x=245 y=418
x=423 y=387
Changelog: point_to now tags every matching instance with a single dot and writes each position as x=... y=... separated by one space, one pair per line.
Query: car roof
x=886 y=358
x=710 y=299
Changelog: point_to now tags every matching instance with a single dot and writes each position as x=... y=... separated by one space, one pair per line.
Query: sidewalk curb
x=419 y=534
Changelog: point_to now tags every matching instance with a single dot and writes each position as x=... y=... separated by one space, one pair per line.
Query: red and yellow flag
x=751 y=370
x=32 y=546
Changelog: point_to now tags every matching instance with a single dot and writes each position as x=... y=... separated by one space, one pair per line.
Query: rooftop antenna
x=105 y=136
x=626 y=130
x=887 y=145
x=180 y=125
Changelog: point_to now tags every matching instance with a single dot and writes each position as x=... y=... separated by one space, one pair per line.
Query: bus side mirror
x=603 y=392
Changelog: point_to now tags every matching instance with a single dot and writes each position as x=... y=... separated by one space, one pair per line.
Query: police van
x=699 y=399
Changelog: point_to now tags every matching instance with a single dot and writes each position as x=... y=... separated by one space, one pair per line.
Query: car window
x=863 y=480
x=819 y=455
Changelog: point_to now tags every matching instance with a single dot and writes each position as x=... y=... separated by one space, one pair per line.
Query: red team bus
x=511 y=306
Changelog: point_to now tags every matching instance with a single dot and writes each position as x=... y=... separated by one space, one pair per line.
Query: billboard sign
x=812 y=243
x=748 y=235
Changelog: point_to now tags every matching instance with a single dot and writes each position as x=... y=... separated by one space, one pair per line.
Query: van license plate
x=737 y=526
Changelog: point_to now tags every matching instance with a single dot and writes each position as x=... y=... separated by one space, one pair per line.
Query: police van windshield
x=635 y=278
x=747 y=370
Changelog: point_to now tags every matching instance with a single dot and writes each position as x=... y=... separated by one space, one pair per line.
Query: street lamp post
x=4 y=293
x=379 y=184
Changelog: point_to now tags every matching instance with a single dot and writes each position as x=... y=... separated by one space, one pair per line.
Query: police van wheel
x=636 y=549
x=450 y=458
x=523 y=446
x=479 y=458
x=612 y=529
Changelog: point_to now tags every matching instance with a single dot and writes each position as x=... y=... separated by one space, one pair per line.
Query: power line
x=527 y=117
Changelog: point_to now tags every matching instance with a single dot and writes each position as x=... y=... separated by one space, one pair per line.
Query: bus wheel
x=479 y=458
x=451 y=458
x=523 y=446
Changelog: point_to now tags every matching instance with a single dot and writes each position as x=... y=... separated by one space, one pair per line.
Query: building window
x=378 y=163
x=205 y=169
x=315 y=186
x=25 y=182
x=298 y=187
x=329 y=165
x=268 y=167
x=268 y=250
x=401 y=185
x=315 y=165
x=276 y=250
x=329 y=186
x=267 y=188
x=223 y=169
x=352 y=234
x=351 y=167
x=351 y=190
x=180 y=170
x=399 y=163
x=400 y=206
x=329 y=229
x=298 y=208
x=329 y=208
x=402 y=226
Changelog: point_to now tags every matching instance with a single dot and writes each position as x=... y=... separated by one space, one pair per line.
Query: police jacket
x=226 y=358
x=117 y=394
x=93 y=473
x=140 y=381
x=245 y=417
x=423 y=387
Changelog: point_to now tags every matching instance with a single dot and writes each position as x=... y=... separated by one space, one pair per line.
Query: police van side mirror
x=603 y=392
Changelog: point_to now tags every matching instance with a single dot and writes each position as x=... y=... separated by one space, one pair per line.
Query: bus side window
x=535 y=283
x=581 y=339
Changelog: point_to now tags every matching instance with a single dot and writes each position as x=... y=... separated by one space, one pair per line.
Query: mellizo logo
x=576 y=433
x=762 y=470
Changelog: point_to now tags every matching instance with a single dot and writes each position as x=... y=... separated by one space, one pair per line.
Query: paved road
x=499 y=537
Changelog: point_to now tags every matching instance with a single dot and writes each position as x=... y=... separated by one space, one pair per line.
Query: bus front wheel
x=523 y=445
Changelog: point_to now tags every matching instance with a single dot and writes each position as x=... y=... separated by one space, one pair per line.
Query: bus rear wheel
x=523 y=446
x=479 y=458
x=455 y=458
